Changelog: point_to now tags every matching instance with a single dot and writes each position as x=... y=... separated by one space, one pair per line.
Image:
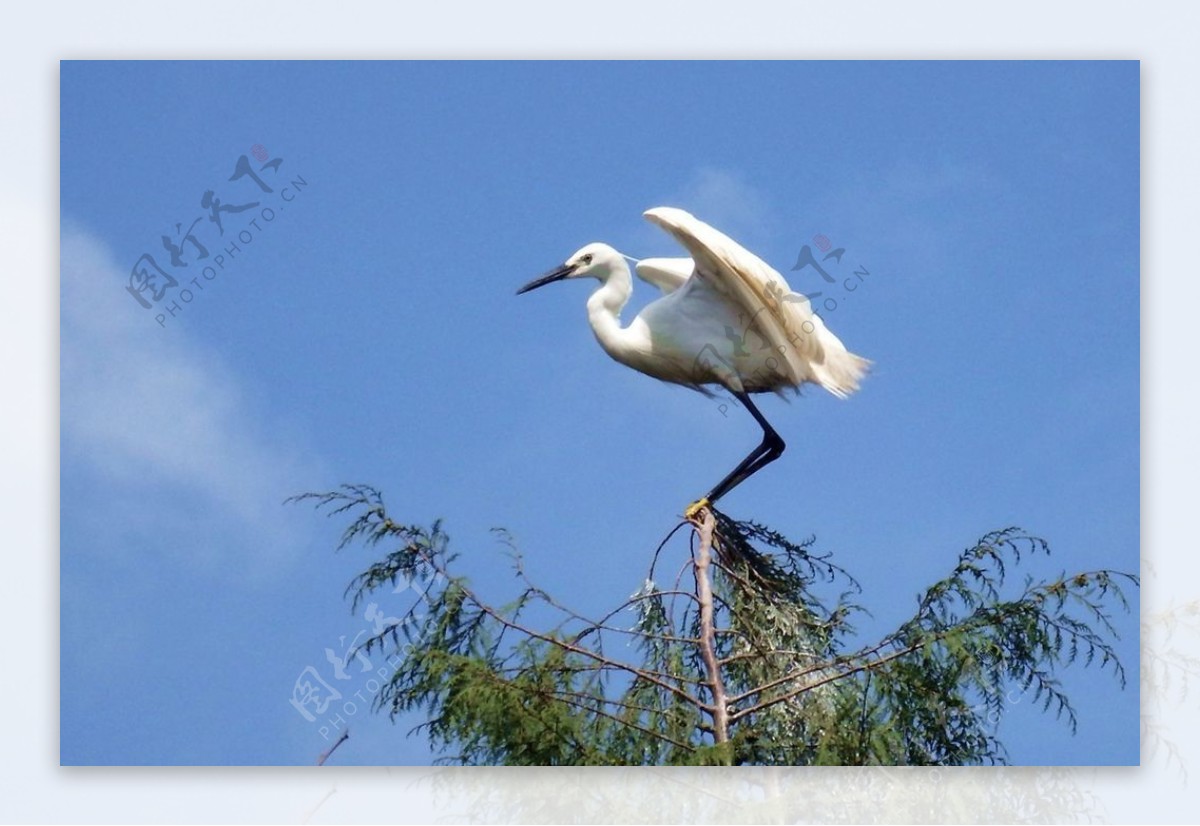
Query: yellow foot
x=694 y=509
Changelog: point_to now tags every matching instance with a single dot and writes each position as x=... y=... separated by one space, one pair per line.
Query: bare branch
x=716 y=682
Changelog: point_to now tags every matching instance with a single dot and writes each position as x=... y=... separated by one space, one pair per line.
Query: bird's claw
x=694 y=509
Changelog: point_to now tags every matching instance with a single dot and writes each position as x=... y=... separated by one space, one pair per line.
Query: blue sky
x=369 y=332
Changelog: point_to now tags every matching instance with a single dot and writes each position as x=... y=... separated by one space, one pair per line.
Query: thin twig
x=325 y=754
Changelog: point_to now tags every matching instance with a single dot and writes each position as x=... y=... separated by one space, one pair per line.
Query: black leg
x=770 y=449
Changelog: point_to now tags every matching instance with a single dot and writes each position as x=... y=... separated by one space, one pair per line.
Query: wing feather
x=808 y=350
x=668 y=274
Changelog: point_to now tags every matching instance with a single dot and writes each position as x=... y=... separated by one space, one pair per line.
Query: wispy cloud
x=910 y=212
x=163 y=430
x=727 y=201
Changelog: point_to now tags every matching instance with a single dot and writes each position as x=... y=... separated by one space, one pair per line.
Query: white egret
x=725 y=318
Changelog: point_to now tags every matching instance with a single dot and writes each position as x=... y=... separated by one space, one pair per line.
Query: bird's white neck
x=604 y=310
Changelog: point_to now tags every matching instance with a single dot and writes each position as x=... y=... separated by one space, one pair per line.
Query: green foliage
x=532 y=682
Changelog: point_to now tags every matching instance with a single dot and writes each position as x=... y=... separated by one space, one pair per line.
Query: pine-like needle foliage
x=731 y=658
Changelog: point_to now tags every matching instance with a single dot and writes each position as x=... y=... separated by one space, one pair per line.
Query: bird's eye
x=587 y=259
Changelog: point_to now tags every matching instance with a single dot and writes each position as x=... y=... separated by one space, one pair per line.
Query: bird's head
x=593 y=261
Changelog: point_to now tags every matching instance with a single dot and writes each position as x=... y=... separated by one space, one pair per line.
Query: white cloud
x=728 y=202
x=163 y=430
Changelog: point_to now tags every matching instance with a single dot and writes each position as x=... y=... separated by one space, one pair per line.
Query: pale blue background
x=371 y=334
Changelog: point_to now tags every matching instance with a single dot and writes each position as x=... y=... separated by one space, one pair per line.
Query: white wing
x=668 y=274
x=809 y=351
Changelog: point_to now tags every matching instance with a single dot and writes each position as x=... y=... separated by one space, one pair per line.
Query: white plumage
x=726 y=317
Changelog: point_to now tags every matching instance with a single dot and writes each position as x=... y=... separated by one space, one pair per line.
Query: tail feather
x=829 y=363
x=841 y=372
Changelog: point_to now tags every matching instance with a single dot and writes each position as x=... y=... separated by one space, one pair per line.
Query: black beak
x=556 y=274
